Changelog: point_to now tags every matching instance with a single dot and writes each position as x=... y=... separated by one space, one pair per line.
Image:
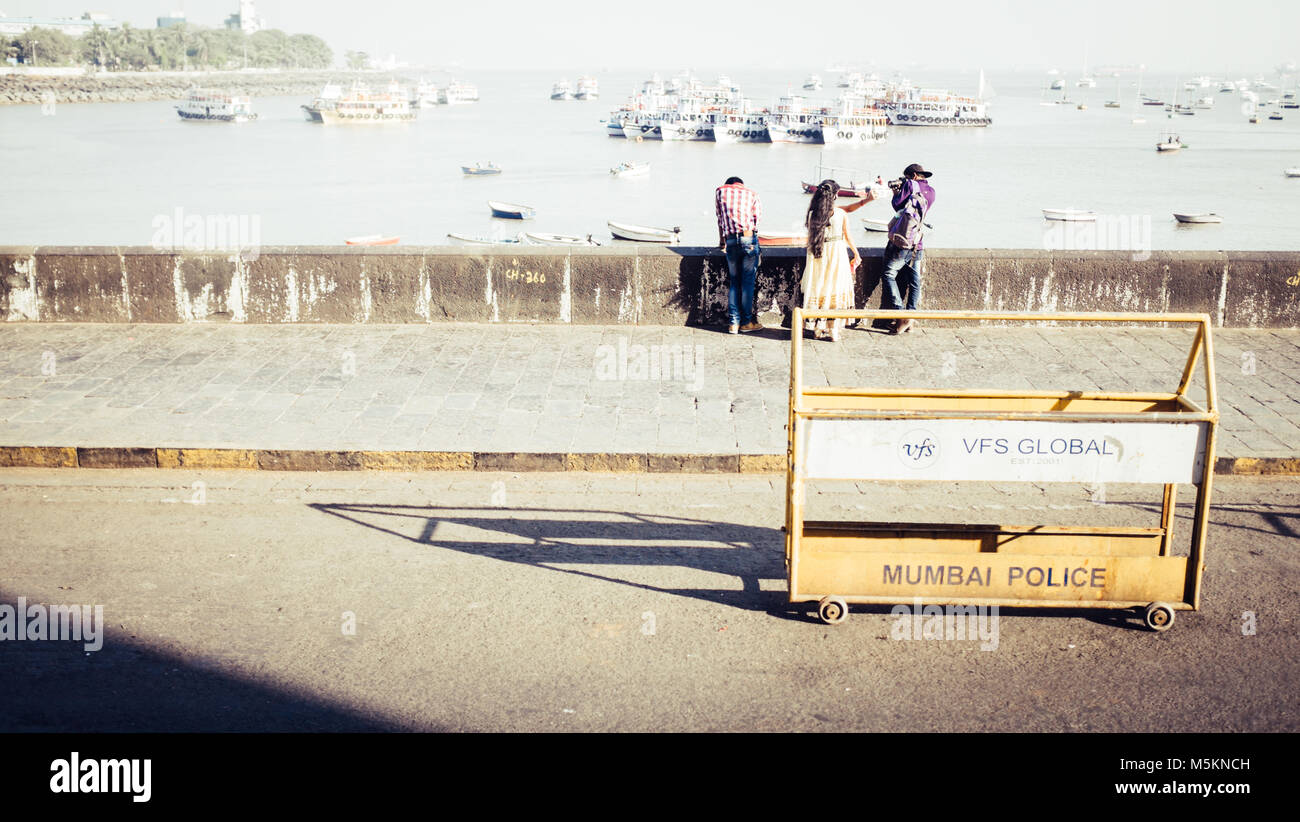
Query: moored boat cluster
x=687 y=110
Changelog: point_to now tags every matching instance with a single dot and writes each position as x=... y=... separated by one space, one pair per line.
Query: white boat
x=794 y=123
x=362 y=107
x=426 y=95
x=689 y=125
x=642 y=127
x=562 y=91
x=1072 y=215
x=813 y=83
x=854 y=126
x=630 y=168
x=457 y=93
x=1207 y=217
x=560 y=239
x=588 y=89
x=480 y=170
x=475 y=239
x=922 y=107
x=732 y=127
x=644 y=234
x=373 y=239
x=216 y=106
x=1294 y=171
x=1170 y=143
x=875 y=225
x=1057 y=85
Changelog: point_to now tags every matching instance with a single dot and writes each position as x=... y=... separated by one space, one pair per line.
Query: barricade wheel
x=833 y=610
x=1159 y=616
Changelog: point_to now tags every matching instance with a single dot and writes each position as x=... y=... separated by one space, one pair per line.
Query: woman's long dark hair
x=819 y=215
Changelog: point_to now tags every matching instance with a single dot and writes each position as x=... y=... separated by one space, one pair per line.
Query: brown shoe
x=754 y=326
x=733 y=329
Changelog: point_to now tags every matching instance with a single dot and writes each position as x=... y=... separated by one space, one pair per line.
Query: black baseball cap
x=915 y=168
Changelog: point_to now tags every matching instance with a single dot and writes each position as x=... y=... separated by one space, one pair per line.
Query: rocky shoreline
x=125 y=87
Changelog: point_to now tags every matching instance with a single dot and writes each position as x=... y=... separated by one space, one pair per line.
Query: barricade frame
x=1170 y=586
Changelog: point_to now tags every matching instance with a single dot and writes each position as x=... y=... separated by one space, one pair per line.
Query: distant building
x=73 y=26
x=246 y=19
x=177 y=18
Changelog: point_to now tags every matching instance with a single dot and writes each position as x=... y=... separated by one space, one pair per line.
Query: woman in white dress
x=832 y=258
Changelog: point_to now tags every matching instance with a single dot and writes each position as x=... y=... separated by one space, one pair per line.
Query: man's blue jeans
x=902 y=272
x=742 y=277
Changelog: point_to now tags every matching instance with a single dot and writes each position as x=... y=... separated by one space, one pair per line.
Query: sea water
x=103 y=173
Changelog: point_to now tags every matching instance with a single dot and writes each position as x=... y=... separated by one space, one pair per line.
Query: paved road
x=583 y=389
x=590 y=602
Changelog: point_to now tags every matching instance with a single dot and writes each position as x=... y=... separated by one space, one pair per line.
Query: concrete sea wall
x=647 y=285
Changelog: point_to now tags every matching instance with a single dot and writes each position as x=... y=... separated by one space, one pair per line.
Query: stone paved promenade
x=588 y=389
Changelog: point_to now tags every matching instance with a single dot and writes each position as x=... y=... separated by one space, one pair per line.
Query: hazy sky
x=1201 y=36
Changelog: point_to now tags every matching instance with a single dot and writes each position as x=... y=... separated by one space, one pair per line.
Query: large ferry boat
x=363 y=107
x=935 y=108
x=793 y=122
x=854 y=125
x=686 y=122
x=737 y=127
x=216 y=106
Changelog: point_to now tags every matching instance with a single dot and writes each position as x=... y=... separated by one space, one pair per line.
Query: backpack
x=906 y=228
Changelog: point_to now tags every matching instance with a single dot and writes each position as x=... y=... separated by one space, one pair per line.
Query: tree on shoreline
x=177 y=47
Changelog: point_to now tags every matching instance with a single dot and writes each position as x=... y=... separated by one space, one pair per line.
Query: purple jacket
x=904 y=194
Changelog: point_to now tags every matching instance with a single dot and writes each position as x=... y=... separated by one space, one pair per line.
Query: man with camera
x=912 y=199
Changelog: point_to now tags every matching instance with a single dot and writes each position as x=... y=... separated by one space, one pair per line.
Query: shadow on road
x=558 y=539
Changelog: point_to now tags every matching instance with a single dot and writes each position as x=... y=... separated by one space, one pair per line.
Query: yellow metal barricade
x=920 y=434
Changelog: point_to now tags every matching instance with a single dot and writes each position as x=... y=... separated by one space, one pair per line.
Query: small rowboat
x=875 y=225
x=372 y=239
x=849 y=191
x=480 y=170
x=1073 y=215
x=783 y=239
x=510 y=211
x=1171 y=144
x=1292 y=172
x=1198 y=218
x=630 y=169
x=644 y=234
x=560 y=239
x=473 y=239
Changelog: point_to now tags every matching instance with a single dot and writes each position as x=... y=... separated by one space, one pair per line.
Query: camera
x=895 y=184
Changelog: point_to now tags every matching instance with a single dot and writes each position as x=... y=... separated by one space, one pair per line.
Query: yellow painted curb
x=606 y=463
x=762 y=463
x=37 y=456
x=221 y=458
x=417 y=461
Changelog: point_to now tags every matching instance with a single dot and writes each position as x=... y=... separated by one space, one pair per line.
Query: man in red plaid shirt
x=739 y=211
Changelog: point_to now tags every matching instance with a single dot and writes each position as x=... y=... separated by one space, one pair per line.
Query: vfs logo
x=918 y=449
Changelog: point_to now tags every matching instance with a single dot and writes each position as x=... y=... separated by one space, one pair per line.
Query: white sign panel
x=1002 y=450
